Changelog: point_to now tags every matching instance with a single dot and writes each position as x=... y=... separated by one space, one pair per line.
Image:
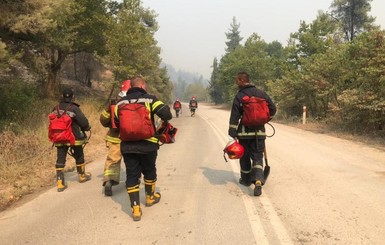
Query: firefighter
x=79 y=125
x=177 y=106
x=112 y=164
x=140 y=154
x=193 y=105
x=253 y=140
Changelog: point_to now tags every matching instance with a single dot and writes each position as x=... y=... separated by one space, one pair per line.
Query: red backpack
x=166 y=133
x=59 y=129
x=177 y=105
x=135 y=122
x=255 y=112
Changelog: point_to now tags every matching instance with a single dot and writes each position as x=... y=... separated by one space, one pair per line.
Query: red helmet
x=126 y=85
x=234 y=150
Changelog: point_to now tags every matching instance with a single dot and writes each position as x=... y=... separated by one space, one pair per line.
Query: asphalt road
x=321 y=190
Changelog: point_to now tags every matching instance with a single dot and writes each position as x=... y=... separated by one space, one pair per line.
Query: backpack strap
x=64 y=112
x=243 y=92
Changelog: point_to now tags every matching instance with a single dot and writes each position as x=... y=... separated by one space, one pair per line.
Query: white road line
x=259 y=233
x=276 y=222
x=254 y=220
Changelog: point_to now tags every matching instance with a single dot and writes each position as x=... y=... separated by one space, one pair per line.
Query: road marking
x=275 y=221
x=259 y=233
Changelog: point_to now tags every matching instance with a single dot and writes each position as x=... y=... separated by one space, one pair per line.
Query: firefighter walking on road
x=177 y=106
x=193 y=105
x=252 y=139
x=112 y=164
x=135 y=116
x=79 y=125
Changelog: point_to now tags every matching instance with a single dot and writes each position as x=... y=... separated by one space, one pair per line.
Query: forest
x=335 y=66
x=44 y=42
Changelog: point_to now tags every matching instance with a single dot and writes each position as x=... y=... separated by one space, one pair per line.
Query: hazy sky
x=192 y=32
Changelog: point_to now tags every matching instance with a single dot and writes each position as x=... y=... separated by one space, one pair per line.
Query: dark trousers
x=137 y=164
x=77 y=153
x=251 y=162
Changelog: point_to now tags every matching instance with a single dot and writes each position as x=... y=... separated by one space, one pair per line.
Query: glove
x=232 y=132
x=231 y=140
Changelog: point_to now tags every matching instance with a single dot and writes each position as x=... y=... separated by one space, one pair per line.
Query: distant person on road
x=193 y=105
x=252 y=139
x=113 y=161
x=139 y=146
x=177 y=106
x=80 y=124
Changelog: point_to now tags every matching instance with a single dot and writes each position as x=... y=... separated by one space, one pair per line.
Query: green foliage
x=363 y=99
x=46 y=32
x=4 y=58
x=352 y=16
x=313 y=38
x=132 y=48
x=198 y=90
x=233 y=36
x=16 y=100
x=253 y=58
x=215 y=90
x=288 y=93
x=159 y=84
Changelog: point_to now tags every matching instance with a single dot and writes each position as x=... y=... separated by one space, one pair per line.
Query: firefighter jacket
x=156 y=107
x=105 y=120
x=80 y=123
x=177 y=105
x=193 y=104
x=236 y=129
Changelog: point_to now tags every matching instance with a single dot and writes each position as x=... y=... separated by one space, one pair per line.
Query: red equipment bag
x=177 y=105
x=60 y=129
x=255 y=112
x=166 y=133
x=135 y=122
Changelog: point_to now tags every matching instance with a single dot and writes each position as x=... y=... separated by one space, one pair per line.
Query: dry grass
x=373 y=140
x=27 y=160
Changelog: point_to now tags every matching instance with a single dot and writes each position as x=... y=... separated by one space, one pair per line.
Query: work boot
x=61 y=185
x=152 y=197
x=83 y=176
x=243 y=182
x=258 y=188
x=133 y=193
x=136 y=213
x=257 y=172
x=108 y=188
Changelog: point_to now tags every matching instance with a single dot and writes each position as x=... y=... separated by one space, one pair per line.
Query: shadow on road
x=219 y=177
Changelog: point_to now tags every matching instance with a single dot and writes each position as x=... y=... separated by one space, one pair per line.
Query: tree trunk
x=352 y=27
x=52 y=86
x=75 y=66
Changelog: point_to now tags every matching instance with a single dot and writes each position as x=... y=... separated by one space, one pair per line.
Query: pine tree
x=353 y=16
x=233 y=36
